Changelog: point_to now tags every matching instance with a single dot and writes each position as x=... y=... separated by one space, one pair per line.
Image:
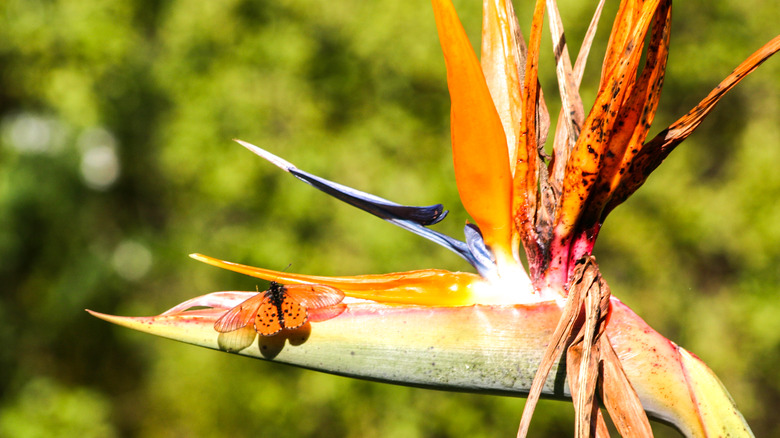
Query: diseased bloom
x=518 y=197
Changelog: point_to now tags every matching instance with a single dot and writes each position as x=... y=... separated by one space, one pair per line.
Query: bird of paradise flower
x=506 y=319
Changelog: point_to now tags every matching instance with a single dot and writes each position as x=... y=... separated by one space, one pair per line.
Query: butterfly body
x=283 y=307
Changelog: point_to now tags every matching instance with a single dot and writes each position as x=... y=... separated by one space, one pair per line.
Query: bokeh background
x=116 y=161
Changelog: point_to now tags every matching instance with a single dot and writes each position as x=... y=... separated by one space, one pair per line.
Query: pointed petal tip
x=210 y=260
x=192 y=327
x=206 y=259
x=264 y=154
x=114 y=319
x=93 y=313
x=124 y=321
x=215 y=262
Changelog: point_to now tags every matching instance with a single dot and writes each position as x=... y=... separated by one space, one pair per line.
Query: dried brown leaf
x=503 y=63
x=583 y=356
x=619 y=397
x=589 y=420
x=560 y=338
x=571 y=103
x=593 y=369
x=526 y=178
x=566 y=138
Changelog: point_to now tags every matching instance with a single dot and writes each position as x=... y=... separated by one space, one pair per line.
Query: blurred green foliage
x=116 y=162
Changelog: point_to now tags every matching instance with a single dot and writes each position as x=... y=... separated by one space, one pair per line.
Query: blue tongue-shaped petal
x=410 y=218
x=483 y=258
x=375 y=205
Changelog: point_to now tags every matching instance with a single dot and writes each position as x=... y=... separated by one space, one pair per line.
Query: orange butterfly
x=283 y=307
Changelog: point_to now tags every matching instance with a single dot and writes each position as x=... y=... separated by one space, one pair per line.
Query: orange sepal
x=479 y=144
x=656 y=150
x=427 y=287
x=634 y=118
x=586 y=158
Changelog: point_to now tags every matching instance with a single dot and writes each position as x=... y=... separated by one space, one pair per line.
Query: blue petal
x=410 y=218
x=483 y=257
x=375 y=205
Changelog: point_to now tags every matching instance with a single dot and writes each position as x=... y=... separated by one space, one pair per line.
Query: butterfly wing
x=237 y=340
x=267 y=321
x=326 y=313
x=239 y=316
x=321 y=302
x=295 y=314
x=314 y=296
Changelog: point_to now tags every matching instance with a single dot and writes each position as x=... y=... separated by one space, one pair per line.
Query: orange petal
x=656 y=150
x=478 y=142
x=622 y=28
x=587 y=157
x=424 y=287
x=634 y=118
